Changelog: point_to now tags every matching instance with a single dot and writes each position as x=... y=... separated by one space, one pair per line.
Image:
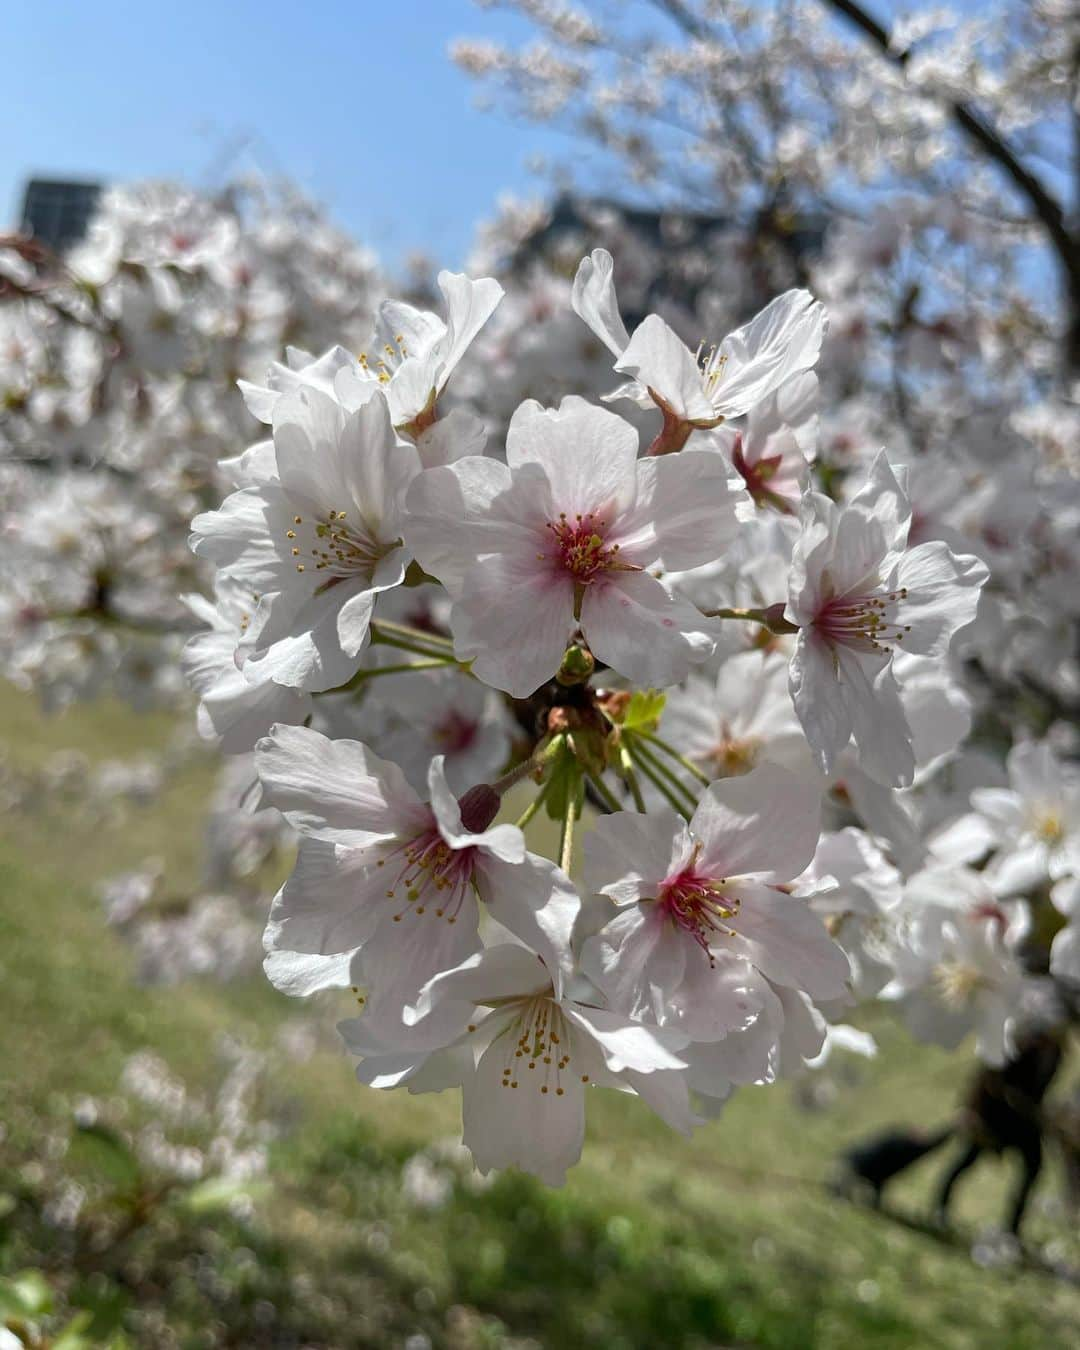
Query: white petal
x=782 y=340
x=593 y=299
x=884 y=499
x=412 y=945
x=638 y=960
x=513 y=622
x=588 y=454
x=1065 y=895
x=765 y=823
x=628 y=854
x=375 y=470
x=787 y=942
x=878 y=721
x=1065 y=954
x=299 y=642
x=353 y=622
x=495 y=973
x=1034 y=771
x=300 y=974
x=452 y=519
x=307 y=431
x=666 y=1091
x=625 y=1044
x=237 y=537
x=541 y=1133
x=943 y=594
x=469 y=305
x=451 y=438
x=804 y=1030
x=238 y=712
x=715 y=999
x=399 y=324
x=819 y=701
x=335 y=789
x=684 y=514
x=331 y=904
x=640 y=630
x=965 y=840
x=632 y=391
x=536 y=902
x=658 y=358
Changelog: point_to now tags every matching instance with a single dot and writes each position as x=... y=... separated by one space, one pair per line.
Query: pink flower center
x=698 y=906
x=455 y=733
x=757 y=477
x=579 y=547
x=865 y=623
x=433 y=876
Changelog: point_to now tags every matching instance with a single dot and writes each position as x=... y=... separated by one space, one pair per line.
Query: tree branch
x=981 y=133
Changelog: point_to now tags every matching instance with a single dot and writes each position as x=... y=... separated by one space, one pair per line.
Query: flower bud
x=479 y=807
x=578 y=664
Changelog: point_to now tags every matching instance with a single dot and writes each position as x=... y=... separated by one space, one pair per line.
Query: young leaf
x=644 y=710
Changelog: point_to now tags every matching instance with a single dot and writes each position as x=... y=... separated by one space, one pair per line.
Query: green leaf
x=26 y=1295
x=106 y=1303
x=76 y=1335
x=109 y=1154
x=217 y=1193
x=644 y=710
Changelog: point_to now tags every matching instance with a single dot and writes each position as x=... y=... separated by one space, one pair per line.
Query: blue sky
x=357 y=102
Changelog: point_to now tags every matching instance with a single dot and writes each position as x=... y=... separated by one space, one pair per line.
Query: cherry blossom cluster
x=659 y=634
x=614 y=687
x=118 y=364
x=118 y=413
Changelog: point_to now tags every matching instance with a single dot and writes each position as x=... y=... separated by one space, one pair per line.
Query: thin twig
x=604 y=792
x=533 y=806
x=404 y=633
x=573 y=809
x=373 y=672
x=630 y=775
x=648 y=760
x=677 y=755
x=661 y=787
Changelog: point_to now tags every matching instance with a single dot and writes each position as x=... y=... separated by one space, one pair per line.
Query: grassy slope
x=654 y=1241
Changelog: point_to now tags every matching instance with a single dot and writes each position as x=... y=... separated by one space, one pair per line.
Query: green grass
x=727 y=1239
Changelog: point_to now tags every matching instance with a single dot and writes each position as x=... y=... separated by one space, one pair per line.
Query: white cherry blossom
x=699 y=390
x=413 y=352
x=316 y=542
x=1034 y=823
x=704 y=905
x=563 y=535
x=771 y=454
x=856 y=891
x=741 y=718
x=386 y=886
x=954 y=970
x=231 y=708
x=856 y=594
x=525 y=1058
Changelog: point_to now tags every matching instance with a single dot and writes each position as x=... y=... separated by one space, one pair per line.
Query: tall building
x=56 y=212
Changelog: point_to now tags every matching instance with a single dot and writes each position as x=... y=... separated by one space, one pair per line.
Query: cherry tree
x=776 y=627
